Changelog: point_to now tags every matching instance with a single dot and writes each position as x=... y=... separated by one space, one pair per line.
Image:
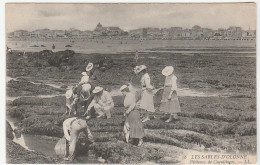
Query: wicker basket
x=61 y=147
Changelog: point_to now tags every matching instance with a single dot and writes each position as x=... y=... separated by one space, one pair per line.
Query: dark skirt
x=135 y=124
x=172 y=105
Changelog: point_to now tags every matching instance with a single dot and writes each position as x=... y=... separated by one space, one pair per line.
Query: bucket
x=61 y=147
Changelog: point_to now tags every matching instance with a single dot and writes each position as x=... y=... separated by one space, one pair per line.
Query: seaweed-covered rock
x=103 y=62
x=60 y=57
x=45 y=52
x=9 y=131
x=18 y=155
x=54 y=60
x=118 y=152
x=168 y=159
x=17 y=112
x=27 y=88
x=42 y=125
x=54 y=101
x=66 y=53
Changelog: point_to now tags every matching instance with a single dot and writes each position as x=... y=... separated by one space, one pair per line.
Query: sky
x=33 y=16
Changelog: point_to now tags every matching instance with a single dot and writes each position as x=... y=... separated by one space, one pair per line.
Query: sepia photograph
x=130 y=83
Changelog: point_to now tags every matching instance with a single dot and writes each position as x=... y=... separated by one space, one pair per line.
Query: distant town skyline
x=74 y=28
x=195 y=33
x=129 y=16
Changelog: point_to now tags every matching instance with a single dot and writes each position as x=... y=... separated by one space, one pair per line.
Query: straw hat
x=69 y=93
x=89 y=67
x=140 y=68
x=97 y=89
x=84 y=73
x=135 y=69
x=123 y=87
x=167 y=71
x=86 y=87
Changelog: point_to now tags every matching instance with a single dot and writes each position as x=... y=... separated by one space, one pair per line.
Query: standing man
x=72 y=127
x=53 y=48
x=136 y=56
x=102 y=103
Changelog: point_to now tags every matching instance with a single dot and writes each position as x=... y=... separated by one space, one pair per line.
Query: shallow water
x=48 y=84
x=115 y=46
x=200 y=52
x=182 y=92
x=40 y=96
x=54 y=85
x=42 y=144
x=19 y=140
x=38 y=144
x=241 y=56
x=10 y=78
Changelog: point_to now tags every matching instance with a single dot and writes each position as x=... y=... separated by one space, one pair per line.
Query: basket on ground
x=61 y=147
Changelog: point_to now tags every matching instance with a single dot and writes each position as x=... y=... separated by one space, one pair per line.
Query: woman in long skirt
x=133 y=127
x=170 y=102
x=146 y=101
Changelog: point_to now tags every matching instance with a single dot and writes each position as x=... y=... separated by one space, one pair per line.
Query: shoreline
x=147 y=46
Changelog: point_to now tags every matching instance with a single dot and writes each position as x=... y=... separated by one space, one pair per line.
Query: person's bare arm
x=91 y=105
x=66 y=132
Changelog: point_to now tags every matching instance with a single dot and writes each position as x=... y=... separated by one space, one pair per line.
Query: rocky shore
x=223 y=123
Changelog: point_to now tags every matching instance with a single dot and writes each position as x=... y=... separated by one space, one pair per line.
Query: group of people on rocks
x=97 y=99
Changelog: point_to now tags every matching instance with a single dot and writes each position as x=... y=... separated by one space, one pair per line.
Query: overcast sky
x=129 y=16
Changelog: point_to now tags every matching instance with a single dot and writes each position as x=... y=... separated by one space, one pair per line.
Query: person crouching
x=72 y=127
x=102 y=103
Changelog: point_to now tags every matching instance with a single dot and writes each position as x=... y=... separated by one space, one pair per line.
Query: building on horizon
x=147 y=33
x=108 y=31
